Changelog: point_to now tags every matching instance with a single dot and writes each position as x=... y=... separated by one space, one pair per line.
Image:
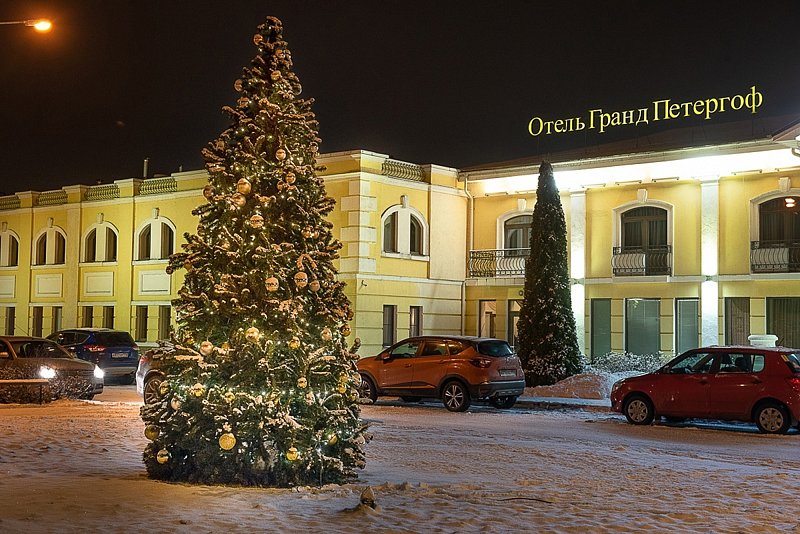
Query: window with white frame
x=155 y=239
x=405 y=231
x=9 y=249
x=100 y=243
x=50 y=247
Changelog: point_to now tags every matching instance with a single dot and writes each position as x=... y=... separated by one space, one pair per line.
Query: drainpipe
x=470 y=241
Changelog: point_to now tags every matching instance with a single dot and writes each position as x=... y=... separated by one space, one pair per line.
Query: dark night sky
x=437 y=81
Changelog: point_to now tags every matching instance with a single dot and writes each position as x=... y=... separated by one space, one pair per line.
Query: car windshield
x=495 y=347
x=39 y=348
x=114 y=339
x=793 y=361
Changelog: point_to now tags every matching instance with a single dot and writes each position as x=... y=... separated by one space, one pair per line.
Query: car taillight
x=483 y=363
x=144 y=357
x=94 y=348
x=794 y=382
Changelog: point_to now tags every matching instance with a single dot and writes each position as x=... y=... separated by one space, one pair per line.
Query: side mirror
x=4 y=354
x=386 y=356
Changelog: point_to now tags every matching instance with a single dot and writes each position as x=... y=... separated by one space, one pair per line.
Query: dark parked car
x=114 y=351
x=732 y=383
x=25 y=358
x=456 y=369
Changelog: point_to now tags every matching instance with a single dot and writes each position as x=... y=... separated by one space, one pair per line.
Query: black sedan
x=26 y=360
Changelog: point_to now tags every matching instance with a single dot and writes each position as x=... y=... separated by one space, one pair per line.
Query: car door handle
x=755 y=381
x=407 y=365
x=703 y=382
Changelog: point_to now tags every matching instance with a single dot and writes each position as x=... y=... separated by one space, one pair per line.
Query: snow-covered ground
x=74 y=466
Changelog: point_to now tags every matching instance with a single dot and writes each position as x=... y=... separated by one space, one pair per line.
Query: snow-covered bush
x=623 y=362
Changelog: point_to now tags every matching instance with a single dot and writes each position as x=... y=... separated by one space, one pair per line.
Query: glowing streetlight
x=40 y=25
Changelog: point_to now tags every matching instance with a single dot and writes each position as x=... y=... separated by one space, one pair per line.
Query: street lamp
x=40 y=25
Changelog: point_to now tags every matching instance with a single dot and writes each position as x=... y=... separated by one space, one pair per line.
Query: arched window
x=50 y=247
x=100 y=243
x=405 y=231
x=155 y=239
x=644 y=228
x=9 y=249
x=779 y=221
x=517 y=232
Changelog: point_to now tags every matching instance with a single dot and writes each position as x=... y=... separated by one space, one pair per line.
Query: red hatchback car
x=456 y=369
x=733 y=383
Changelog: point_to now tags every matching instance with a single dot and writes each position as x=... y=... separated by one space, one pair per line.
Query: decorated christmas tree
x=548 y=343
x=260 y=387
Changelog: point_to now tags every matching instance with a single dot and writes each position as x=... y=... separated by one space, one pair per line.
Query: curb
x=563 y=404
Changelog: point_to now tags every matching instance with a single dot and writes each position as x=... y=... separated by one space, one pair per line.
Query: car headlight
x=99 y=373
x=616 y=386
x=47 y=372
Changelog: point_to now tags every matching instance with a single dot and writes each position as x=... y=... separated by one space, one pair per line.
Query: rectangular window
x=38 y=318
x=389 y=324
x=415 y=321
x=601 y=327
x=487 y=313
x=737 y=320
x=140 y=331
x=111 y=245
x=56 y=320
x=86 y=316
x=642 y=329
x=11 y=317
x=13 y=252
x=91 y=246
x=164 y=316
x=390 y=233
x=687 y=329
x=108 y=316
x=783 y=320
x=166 y=241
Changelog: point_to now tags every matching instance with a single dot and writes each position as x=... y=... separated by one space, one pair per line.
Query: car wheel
x=411 y=399
x=504 y=402
x=772 y=418
x=455 y=396
x=152 y=387
x=638 y=410
x=367 y=389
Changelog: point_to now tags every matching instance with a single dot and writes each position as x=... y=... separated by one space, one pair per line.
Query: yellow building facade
x=668 y=249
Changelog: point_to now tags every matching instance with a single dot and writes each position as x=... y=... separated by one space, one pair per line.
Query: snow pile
x=594 y=385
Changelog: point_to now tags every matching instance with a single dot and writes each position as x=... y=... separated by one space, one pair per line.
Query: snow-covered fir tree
x=548 y=343
x=267 y=394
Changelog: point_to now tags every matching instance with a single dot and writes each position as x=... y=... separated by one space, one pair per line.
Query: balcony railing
x=501 y=262
x=775 y=256
x=634 y=261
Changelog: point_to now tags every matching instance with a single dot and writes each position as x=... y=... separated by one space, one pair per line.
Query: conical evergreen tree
x=269 y=397
x=548 y=344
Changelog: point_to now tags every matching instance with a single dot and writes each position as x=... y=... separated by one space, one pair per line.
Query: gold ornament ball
x=206 y=348
x=238 y=200
x=275 y=75
x=227 y=441
x=243 y=186
x=327 y=335
x=256 y=221
x=162 y=456
x=332 y=439
x=176 y=403
x=308 y=232
x=209 y=191
x=258 y=39
x=280 y=154
x=302 y=382
x=252 y=334
x=290 y=178
x=341 y=388
x=163 y=388
x=353 y=395
x=238 y=85
x=301 y=279
x=292 y=454
x=198 y=389
x=272 y=284
x=346 y=330
x=229 y=396
x=294 y=343
x=314 y=285
x=151 y=432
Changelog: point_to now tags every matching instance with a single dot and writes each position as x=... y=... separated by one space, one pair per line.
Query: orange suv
x=457 y=369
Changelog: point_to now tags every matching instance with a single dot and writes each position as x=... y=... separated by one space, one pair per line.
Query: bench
x=41 y=382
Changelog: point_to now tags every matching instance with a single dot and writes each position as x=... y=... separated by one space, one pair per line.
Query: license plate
x=119 y=355
x=508 y=372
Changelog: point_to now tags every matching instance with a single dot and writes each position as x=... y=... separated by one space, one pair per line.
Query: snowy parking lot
x=74 y=466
